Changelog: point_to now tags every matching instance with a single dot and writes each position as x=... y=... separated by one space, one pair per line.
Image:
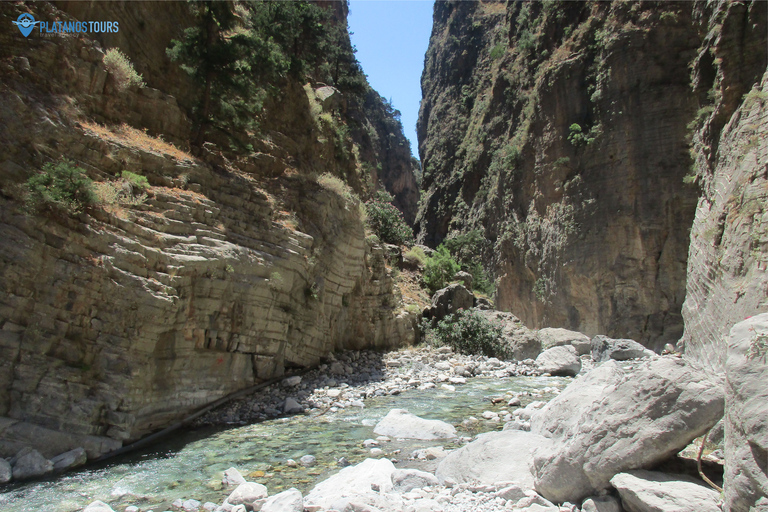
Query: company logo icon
x=25 y=22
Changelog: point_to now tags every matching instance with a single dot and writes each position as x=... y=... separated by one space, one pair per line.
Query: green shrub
x=439 y=269
x=387 y=222
x=121 y=70
x=336 y=185
x=415 y=255
x=60 y=186
x=468 y=250
x=136 y=180
x=467 y=332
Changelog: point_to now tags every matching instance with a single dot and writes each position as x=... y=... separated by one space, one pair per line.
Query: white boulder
x=401 y=424
x=651 y=491
x=562 y=360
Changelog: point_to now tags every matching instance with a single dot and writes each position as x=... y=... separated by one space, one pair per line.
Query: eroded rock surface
x=651 y=491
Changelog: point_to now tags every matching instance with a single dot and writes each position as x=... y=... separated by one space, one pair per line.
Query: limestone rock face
x=559 y=361
x=746 y=414
x=561 y=133
x=651 y=491
x=728 y=255
x=611 y=420
x=402 y=424
x=493 y=457
x=124 y=318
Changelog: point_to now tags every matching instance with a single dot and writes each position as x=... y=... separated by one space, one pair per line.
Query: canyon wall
x=562 y=131
x=228 y=270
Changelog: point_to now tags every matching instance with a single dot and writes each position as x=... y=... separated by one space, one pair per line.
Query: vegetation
x=336 y=185
x=468 y=250
x=415 y=255
x=578 y=138
x=387 y=222
x=439 y=269
x=468 y=332
x=59 y=187
x=121 y=70
x=137 y=180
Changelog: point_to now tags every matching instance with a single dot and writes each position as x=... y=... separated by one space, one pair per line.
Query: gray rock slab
x=404 y=480
x=612 y=420
x=29 y=463
x=557 y=337
x=98 y=506
x=493 y=457
x=560 y=360
x=352 y=482
x=605 y=348
x=601 y=504
x=746 y=418
x=651 y=491
x=401 y=424
x=70 y=459
x=247 y=494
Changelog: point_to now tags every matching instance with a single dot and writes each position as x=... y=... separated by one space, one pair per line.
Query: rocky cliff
x=226 y=270
x=562 y=131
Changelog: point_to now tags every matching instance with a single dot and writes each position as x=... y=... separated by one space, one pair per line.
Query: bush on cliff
x=467 y=332
x=387 y=222
x=439 y=269
x=59 y=187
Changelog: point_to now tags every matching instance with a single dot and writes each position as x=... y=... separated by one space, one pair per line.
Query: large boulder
x=98 y=506
x=605 y=349
x=286 y=501
x=557 y=337
x=493 y=457
x=28 y=463
x=404 y=425
x=70 y=459
x=247 y=494
x=522 y=342
x=651 y=491
x=371 y=475
x=562 y=360
x=746 y=418
x=449 y=300
x=464 y=278
x=612 y=420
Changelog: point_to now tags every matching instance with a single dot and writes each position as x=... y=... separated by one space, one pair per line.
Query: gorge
x=608 y=159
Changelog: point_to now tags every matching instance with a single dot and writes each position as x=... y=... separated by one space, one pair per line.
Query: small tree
x=439 y=269
x=60 y=186
x=387 y=222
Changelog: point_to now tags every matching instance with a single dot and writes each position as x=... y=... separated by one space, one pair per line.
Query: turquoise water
x=191 y=464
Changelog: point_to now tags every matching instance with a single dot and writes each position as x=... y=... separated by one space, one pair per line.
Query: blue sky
x=391 y=37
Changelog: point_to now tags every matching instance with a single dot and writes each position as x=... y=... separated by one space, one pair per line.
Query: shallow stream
x=191 y=464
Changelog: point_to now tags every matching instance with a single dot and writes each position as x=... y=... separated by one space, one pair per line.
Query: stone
x=134 y=508
x=246 y=494
x=6 y=472
x=98 y=506
x=746 y=416
x=291 y=406
x=376 y=452
x=611 y=420
x=651 y=491
x=286 y=501
x=493 y=457
x=556 y=337
x=605 y=348
x=401 y=424
x=601 y=504
x=449 y=300
x=307 y=460
x=522 y=342
x=190 y=505
x=337 y=368
x=510 y=492
x=404 y=480
x=292 y=382
x=70 y=459
x=28 y=463
x=352 y=481
x=464 y=278
x=559 y=361
x=232 y=477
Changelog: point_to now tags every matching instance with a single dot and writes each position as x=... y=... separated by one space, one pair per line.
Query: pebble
x=308 y=460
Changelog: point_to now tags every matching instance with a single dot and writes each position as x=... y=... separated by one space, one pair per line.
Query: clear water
x=191 y=464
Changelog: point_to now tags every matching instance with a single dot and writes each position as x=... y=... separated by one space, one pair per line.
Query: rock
x=28 y=463
x=337 y=368
x=605 y=348
x=611 y=420
x=601 y=504
x=370 y=443
x=292 y=382
x=70 y=459
x=465 y=278
x=493 y=457
x=133 y=508
x=560 y=360
x=352 y=481
x=510 y=492
x=246 y=494
x=404 y=480
x=98 y=506
x=307 y=460
x=6 y=472
x=449 y=300
x=402 y=424
x=555 y=337
x=651 y=491
x=286 y=501
x=232 y=477
x=483 y=304
x=376 y=452
x=746 y=418
x=190 y=505
x=522 y=342
x=208 y=506
x=291 y=406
